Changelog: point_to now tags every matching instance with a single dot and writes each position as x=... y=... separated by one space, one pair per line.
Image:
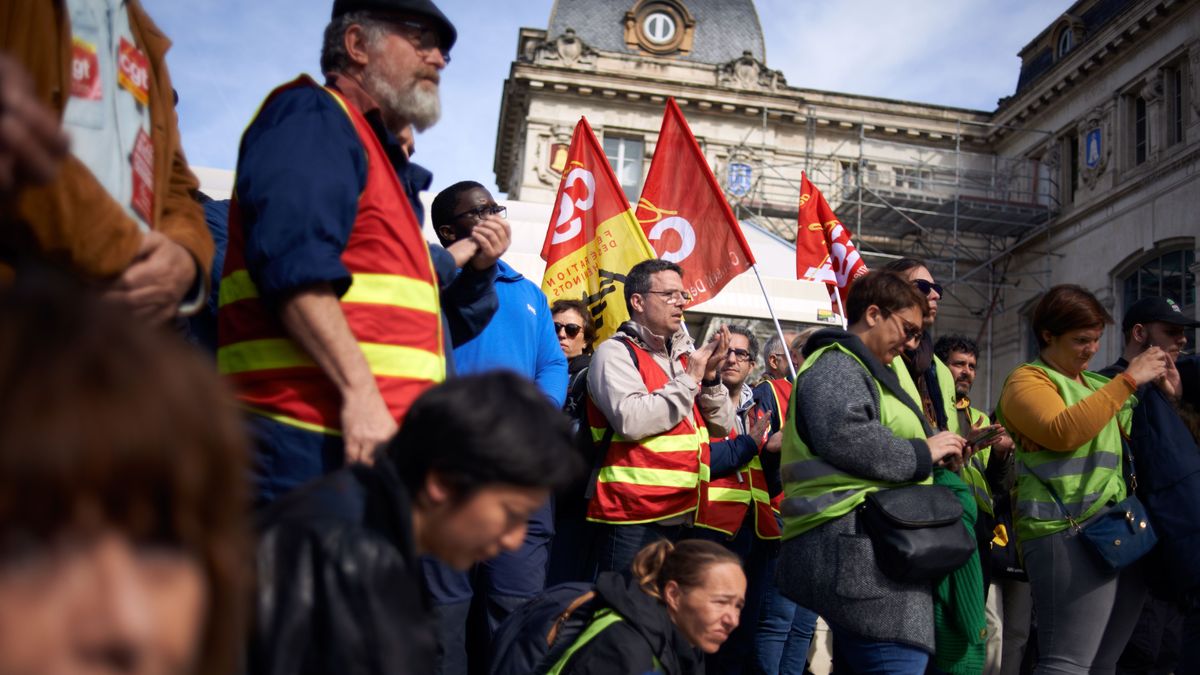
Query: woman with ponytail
x=680 y=602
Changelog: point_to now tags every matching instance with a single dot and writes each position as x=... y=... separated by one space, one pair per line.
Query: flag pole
x=837 y=294
x=778 y=328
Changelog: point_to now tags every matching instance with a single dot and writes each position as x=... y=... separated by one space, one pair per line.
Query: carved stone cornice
x=747 y=72
x=567 y=50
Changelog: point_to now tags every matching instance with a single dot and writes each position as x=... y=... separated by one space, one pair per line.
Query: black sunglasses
x=926 y=286
x=571 y=329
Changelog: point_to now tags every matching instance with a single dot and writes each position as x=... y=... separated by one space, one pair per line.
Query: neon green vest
x=602 y=620
x=815 y=491
x=945 y=381
x=974 y=471
x=1086 y=478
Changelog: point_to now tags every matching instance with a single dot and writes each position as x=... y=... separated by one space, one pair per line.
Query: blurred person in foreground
x=1068 y=423
x=32 y=142
x=340 y=583
x=853 y=429
x=676 y=604
x=119 y=213
x=124 y=538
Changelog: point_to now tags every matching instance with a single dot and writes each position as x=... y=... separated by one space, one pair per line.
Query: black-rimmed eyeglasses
x=481 y=212
x=674 y=297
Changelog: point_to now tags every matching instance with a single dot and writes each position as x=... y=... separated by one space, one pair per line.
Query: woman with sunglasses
x=576 y=331
x=852 y=429
x=570 y=558
x=1067 y=424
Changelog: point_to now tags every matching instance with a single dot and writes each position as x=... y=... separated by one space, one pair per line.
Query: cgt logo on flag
x=593 y=238
x=824 y=251
x=685 y=215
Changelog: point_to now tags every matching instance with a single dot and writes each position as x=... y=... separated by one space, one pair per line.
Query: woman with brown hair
x=681 y=602
x=853 y=430
x=124 y=541
x=1067 y=425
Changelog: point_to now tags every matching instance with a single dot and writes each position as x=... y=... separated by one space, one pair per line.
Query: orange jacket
x=73 y=220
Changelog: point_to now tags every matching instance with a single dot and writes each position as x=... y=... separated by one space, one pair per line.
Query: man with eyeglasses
x=735 y=505
x=776 y=356
x=654 y=401
x=330 y=317
x=519 y=338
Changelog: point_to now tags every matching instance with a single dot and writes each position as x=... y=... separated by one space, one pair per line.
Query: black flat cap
x=1153 y=308
x=424 y=8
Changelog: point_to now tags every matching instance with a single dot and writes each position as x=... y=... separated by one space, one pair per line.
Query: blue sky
x=227 y=55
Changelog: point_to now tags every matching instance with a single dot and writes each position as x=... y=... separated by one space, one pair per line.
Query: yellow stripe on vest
x=369 y=289
x=674 y=443
x=720 y=494
x=651 y=477
x=292 y=421
x=392 y=290
x=384 y=360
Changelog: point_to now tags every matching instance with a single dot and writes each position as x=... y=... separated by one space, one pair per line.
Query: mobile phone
x=984 y=439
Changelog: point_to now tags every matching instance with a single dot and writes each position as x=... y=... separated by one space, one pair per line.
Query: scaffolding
x=964 y=211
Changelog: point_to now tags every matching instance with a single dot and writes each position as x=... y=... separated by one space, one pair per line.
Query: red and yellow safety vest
x=392 y=307
x=654 y=478
x=725 y=501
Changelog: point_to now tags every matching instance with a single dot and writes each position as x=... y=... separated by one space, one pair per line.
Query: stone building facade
x=1086 y=174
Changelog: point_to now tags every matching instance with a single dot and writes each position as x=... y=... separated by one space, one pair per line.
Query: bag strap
x=552 y=635
x=1058 y=500
x=600 y=452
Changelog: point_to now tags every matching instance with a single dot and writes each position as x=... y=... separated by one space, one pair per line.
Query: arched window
x=1167 y=275
x=1066 y=40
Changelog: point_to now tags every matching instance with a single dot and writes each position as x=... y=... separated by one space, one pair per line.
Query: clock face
x=659 y=27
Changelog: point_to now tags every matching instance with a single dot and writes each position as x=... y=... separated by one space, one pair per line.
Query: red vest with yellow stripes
x=392 y=307
x=725 y=501
x=649 y=479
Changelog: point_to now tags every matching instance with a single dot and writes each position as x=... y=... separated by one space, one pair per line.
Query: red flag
x=593 y=238
x=685 y=216
x=823 y=248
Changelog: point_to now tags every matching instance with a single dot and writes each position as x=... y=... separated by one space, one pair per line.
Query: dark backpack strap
x=600 y=451
x=552 y=636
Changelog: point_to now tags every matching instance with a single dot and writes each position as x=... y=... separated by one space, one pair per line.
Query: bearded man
x=330 y=313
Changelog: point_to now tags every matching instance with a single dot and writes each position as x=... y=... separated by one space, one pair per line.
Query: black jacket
x=339 y=587
x=629 y=647
x=1167 y=463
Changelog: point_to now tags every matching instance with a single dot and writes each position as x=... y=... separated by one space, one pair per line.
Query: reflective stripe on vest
x=654 y=478
x=724 y=502
x=945 y=382
x=816 y=491
x=600 y=621
x=392 y=307
x=974 y=472
x=1086 y=478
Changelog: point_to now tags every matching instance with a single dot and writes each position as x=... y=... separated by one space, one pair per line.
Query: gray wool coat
x=831 y=569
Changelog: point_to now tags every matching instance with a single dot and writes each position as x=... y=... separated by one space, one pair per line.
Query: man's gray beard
x=416 y=106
